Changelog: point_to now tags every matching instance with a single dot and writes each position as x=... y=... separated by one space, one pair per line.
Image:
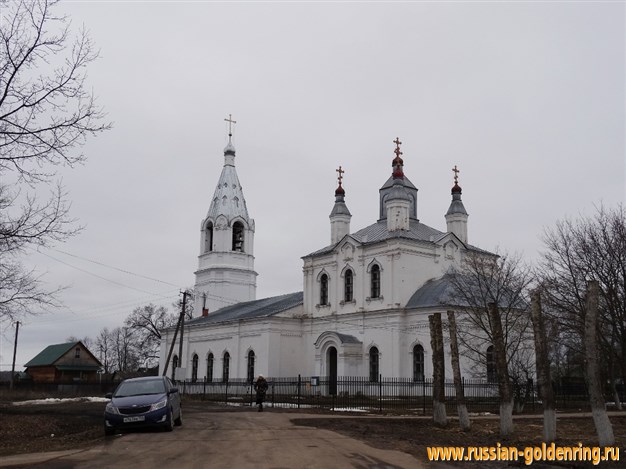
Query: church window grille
x=374 y=362
x=348 y=286
x=250 y=366
x=238 y=237
x=208 y=240
x=174 y=366
x=324 y=290
x=226 y=367
x=209 y=368
x=375 y=277
x=194 y=368
x=492 y=375
x=418 y=363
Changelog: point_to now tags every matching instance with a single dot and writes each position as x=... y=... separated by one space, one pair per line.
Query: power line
x=113 y=267
x=97 y=276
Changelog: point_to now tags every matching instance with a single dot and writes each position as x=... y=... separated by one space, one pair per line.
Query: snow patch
x=55 y=400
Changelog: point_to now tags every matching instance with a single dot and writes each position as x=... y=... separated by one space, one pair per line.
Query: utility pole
x=182 y=328
x=17 y=328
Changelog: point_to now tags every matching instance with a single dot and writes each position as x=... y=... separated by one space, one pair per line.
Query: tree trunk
x=544 y=379
x=464 y=421
x=439 y=395
x=502 y=370
x=598 y=408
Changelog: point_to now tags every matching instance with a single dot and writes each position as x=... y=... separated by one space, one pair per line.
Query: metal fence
x=402 y=395
x=349 y=393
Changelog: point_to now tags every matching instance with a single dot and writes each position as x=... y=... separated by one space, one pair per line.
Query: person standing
x=260 y=386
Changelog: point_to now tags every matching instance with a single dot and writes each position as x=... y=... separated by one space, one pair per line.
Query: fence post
x=273 y=401
x=226 y=393
x=299 y=383
x=380 y=393
x=251 y=389
x=424 y=395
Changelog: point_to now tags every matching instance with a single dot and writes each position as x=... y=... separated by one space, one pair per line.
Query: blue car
x=152 y=401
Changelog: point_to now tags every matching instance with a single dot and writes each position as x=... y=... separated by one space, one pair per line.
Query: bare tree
x=46 y=113
x=575 y=251
x=147 y=322
x=464 y=421
x=503 y=281
x=439 y=392
x=598 y=407
x=544 y=379
x=105 y=350
x=502 y=369
x=126 y=352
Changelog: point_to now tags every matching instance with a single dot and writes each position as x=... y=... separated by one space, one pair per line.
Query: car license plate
x=138 y=418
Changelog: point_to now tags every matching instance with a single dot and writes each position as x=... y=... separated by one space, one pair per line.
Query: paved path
x=233 y=440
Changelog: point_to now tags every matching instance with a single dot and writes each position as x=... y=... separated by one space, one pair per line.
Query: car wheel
x=179 y=421
x=169 y=424
x=109 y=431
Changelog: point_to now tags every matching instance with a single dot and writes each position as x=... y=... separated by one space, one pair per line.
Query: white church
x=366 y=296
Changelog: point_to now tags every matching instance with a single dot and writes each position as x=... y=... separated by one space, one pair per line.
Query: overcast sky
x=526 y=98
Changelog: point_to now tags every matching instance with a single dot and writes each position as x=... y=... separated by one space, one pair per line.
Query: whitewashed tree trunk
x=504 y=383
x=544 y=379
x=464 y=421
x=439 y=395
x=598 y=408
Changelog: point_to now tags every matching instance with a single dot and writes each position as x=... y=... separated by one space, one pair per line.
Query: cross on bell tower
x=230 y=125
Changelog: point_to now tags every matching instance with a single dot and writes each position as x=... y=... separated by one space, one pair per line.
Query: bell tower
x=225 y=274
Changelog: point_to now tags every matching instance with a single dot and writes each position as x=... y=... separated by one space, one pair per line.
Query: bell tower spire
x=225 y=274
x=456 y=217
x=340 y=215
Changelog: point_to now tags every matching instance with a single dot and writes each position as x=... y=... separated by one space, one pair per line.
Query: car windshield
x=138 y=388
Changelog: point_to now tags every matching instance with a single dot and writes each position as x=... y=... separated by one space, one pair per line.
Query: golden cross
x=230 y=124
x=456 y=174
x=398 y=143
x=340 y=177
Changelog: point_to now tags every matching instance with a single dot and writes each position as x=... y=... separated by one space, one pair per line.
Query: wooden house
x=69 y=362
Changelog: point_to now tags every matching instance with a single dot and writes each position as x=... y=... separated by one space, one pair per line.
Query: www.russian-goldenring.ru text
x=529 y=454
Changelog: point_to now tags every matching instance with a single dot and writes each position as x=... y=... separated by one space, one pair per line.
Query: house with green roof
x=69 y=362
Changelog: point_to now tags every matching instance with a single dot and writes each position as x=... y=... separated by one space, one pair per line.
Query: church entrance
x=331 y=360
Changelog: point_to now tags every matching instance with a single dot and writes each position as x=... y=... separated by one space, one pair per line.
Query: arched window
x=226 y=367
x=208 y=237
x=194 y=368
x=374 y=370
x=348 y=286
x=375 y=281
x=209 y=368
x=174 y=366
x=418 y=363
x=492 y=375
x=324 y=290
x=250 y=366
x=238 y=236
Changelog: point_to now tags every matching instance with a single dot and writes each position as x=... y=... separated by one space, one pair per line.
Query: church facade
x=366 y=296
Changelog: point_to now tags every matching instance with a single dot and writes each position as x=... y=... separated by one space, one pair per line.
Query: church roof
x=435 y=292
x=228 y=199
x=405 y=182
x=251 y=309
x=443 y=292
x=378 y=232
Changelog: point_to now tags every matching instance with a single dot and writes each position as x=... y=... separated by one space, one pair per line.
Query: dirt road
x=225 y=440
